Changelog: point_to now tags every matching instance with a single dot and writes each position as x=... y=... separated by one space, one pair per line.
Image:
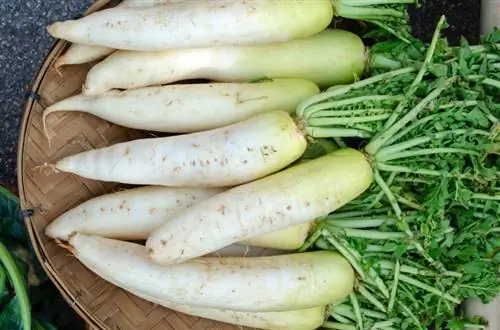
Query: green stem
x=3 y=284
x=343 y=90
x=377 y=142
x=18 y=284
x=486 y=81
x=429 y=151
x=393 y=149
x=337 y=326
x=372 y=248
x=373 y=314
x=345 y=311
x=350 y=113
x=371 y=298
x=328 y=121
x=353 y=214
x=403 y=169
x=394 y=288
x=324 y=132
x=390 y=196
x=385 y=264
x=486 y=197
x=357 y=310
x=411 y=315
x=411 y=127
x=464 y=104
x=331 y=105
x=428 y=288
x=378 y=61
x=345 y=252
x=356 y=223
x=368 y=234
x=380 y=194
x=379 y=283
x=382 y=325
x=392 y=126
x=361 y=13
x=413 y=87
x=341 y=318
x=398 y=32
x=408 y=203
x=310 y=240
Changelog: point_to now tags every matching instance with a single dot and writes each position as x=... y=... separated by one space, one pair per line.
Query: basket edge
x=57 y=47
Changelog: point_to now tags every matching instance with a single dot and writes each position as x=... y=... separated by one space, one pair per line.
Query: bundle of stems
x=425 y=236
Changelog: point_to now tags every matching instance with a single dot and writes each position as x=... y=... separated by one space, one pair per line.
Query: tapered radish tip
x=52 y=29
x=66 y=246
x=53 y=167
x=58 y=64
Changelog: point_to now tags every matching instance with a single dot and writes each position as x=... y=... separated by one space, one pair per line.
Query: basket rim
x=55 y=49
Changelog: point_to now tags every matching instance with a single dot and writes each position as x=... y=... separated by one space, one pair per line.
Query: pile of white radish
x=222 y=205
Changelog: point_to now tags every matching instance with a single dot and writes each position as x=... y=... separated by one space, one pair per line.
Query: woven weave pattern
x=49 y=194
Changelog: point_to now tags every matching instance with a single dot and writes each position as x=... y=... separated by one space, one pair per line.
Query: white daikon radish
x=197 y=24
x=328 y=58
x=221 y=157
x=82 y=53
x=79 y=54
x=129 y=214
x=191 y=107
x=302 y=319
x=134 y=213
x=290 y=197
x=258 y=284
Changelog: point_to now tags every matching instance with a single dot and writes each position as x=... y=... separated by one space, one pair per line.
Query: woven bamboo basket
x=45 y=195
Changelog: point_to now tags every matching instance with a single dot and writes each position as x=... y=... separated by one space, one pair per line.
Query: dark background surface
x=24 y=44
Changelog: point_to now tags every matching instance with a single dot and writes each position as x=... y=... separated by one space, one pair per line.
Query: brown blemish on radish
x=222 y=209
x=164 y=158
x=177 y=169
x=151 y=211
x=163 y=242
x=196 y=145
x=289 y=207
x=126 y=151
x=102 y=209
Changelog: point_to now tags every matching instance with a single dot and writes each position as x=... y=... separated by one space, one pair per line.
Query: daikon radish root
x=330 y=57
x=197 y=24
x=79 y=54
x=255 y=284
x=129 y=214
x=221 y=157
x=290 y=197
x=302 y=319
x=133 y=214
x=191 y=107
x=82 y=53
